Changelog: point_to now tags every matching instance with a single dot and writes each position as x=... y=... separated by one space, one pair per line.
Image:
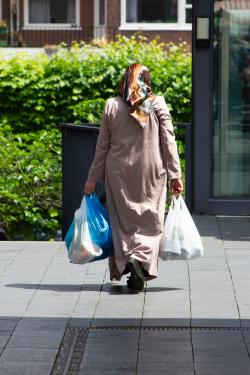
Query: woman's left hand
x=89 y=187
x=176 y=186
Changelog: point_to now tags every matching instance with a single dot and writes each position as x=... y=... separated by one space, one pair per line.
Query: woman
x=135 y=153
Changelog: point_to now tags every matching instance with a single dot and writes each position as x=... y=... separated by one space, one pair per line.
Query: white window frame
x=179 y=25
x=1 y=9
x=28 y=25
x=99 y=30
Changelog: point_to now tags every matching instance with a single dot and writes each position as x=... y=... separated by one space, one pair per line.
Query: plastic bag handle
x=175 y=198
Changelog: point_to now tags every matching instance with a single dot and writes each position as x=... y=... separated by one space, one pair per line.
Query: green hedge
x=38 y=92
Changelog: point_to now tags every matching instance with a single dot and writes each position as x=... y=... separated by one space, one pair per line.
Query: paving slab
x=27 y=368
x=36 y=340
x=12 y=246
x=28 y=355
x=41 y=294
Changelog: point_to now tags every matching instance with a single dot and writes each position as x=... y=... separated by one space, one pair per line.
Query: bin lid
x=79 y=126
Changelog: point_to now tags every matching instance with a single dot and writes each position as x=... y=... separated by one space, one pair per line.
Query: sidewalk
x=62 y=319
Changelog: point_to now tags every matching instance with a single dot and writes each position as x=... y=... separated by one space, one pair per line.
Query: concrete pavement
x=62 y=319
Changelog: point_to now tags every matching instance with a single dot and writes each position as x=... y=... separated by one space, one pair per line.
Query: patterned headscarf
x=137 y=93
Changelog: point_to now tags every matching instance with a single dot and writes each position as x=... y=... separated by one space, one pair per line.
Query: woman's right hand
x=89 y=187
x=176 y=186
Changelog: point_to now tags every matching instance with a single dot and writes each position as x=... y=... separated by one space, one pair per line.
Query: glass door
x=231 y=100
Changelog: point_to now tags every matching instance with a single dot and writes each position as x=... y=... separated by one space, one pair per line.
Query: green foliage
x=30 y=182
x=37 y=93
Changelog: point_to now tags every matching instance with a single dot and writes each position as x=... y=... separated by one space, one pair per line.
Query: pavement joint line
x=35 y=290
x=39 y=284
x=190 y=314
x=81 y=289
x=139 y=336
x=12 y=261
x=99 y=297
x=235 y=294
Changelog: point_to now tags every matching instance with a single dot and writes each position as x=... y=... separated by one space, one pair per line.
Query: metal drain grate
x=169 y=328
x=71 y=351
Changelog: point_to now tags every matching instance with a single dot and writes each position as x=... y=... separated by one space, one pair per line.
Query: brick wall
x=86 y=13
x=113 y=13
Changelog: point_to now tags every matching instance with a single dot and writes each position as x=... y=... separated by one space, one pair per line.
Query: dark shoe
x=126 y=270
x=136 y=280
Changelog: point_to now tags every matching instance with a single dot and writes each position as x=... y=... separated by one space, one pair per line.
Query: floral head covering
x=137 y=93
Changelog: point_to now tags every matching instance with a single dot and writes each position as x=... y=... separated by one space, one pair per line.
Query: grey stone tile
x=170 y=369
x=27 y=368
x=169 y=344
x=80 y=322
x=218 y=356
x=47 y=324
x=164 y=354
x=123 y=360
x=8 y=324
x=168 y=322
x=35 y=332
x=216 y=335
x=48 y=340
x=8 y=255
x=222 y=368
x=4 y=339
x=11 y=246
x=206 y=322
x=105 y=372
x=109 y=353
x=113 y=338
x=166 y=367
x=28 y=355
x=112 y=368
x=168 y=334
x=115 y=322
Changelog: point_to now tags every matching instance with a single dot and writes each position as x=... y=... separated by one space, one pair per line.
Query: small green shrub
x=30 y=182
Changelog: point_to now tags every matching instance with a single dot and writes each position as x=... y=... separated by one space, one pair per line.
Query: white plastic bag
x=82 y=249
x=180 y=239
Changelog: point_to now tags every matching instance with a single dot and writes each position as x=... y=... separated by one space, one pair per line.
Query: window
x=156 y=14
x=101 y=12
x=51 y=12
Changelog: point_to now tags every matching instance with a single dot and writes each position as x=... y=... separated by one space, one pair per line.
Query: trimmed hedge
x=38 y=92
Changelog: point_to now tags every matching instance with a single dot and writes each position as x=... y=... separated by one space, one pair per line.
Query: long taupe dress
x=135 y=161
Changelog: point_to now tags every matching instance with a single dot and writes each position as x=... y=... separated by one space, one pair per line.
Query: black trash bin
x=78 y=148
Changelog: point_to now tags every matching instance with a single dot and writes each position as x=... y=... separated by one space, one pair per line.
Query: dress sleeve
x=167 y=140
x=97 y=169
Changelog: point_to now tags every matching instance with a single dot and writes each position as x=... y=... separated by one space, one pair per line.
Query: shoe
x=136 y=280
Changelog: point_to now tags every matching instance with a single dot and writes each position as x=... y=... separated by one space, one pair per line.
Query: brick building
x=40 y=22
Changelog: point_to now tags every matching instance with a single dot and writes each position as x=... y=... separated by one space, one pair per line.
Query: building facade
x=39 y=22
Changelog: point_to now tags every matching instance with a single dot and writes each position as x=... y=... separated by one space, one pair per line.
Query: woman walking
x=135 y=154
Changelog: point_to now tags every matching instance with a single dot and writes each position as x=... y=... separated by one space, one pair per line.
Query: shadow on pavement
x=108 y=288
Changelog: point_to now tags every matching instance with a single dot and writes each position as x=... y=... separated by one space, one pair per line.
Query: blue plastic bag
x=99 y=227
x=94 y=221
x=69 y=235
